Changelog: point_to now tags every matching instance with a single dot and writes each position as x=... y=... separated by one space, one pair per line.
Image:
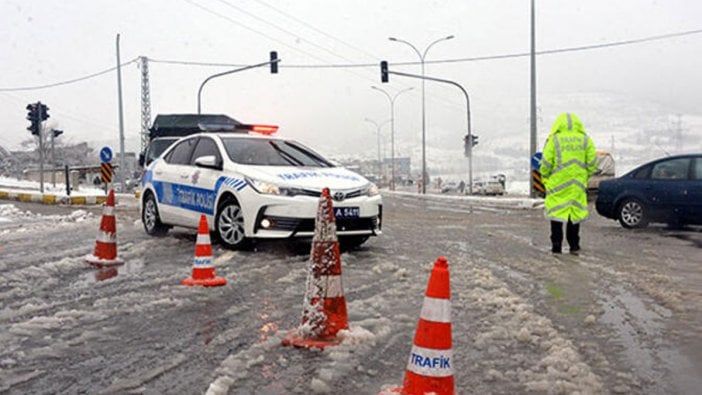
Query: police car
x=253 y=185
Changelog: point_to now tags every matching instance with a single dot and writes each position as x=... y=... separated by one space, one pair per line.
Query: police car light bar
x=215 y=126
x=263 y=129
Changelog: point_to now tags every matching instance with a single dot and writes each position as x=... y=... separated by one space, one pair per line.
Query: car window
x=643 y=173
x=697 y=169
x=205 y=146
x=272 y=152
x=673 y=169
x=180 y=155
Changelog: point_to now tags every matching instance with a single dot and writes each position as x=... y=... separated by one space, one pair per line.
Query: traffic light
x=56 y=132
x=33 y=117
x=466 y=146
x=384 y=74
x=474 y=140
x=43 y=112
x=274 y=62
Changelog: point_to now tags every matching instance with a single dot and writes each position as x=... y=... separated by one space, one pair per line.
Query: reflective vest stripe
x=566 y=185
x=108 y=210
x=564 y=205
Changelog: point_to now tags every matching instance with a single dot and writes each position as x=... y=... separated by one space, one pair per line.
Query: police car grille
x=307 y=224
x=353 y=194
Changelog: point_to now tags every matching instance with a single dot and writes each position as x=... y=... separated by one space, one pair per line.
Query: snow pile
x=59 y=189
x=511 y=326
x=8 y=211
x=347 y=359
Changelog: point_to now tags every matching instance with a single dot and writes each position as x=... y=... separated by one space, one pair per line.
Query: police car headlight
x=371 y=190
x=267 y=188
x=270 y=188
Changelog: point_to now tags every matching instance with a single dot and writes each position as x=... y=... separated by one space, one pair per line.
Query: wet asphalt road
x=624 y=317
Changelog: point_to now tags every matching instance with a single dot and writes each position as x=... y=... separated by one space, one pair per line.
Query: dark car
x=155 y=148
x=667 y=190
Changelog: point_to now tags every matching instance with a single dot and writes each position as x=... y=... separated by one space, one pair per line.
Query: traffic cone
x=430 y=368
x=105 y=253
x=203 y=270
x=324 y=308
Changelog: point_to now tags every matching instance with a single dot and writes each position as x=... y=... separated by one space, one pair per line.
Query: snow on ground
x=9 y=213
x=60 y=188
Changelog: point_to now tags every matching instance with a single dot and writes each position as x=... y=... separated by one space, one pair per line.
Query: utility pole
x=532 y=140
x=145 y=102
x=121 y=118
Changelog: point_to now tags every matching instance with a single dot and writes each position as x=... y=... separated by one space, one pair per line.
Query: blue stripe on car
x=200 y=200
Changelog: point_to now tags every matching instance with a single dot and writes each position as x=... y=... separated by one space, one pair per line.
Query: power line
x=293 y=34
x=239 y=24
x=315 y=28
x=358 y=65
x=460 y=60
x=89 y=76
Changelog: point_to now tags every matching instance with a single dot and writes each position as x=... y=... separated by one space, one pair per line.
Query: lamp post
x=392 y=130
x=377 y=131
x=422 y=57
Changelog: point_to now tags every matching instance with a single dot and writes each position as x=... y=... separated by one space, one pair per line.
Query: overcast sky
x=46 y=42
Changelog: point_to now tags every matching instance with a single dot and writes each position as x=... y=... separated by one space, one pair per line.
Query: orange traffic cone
x=324 y=310
x=105 y=253
x=203 y=270
x=430 y=368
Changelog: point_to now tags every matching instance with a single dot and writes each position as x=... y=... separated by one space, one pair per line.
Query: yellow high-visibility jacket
x=569 y=159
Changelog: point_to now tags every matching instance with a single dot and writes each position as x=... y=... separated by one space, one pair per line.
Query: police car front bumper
x=297 y=219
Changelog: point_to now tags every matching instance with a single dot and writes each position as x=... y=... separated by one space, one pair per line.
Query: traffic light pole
x=199 y=91
x=53 y=161
x=470 y=136
x=41 y=148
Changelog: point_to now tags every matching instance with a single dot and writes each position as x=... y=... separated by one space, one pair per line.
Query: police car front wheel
x=230 y=225
x=150 y=218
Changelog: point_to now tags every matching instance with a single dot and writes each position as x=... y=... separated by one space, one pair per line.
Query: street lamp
x=422 y=57
x=392 y=130
x=377 y=131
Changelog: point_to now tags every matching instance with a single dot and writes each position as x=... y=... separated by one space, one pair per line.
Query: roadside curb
x=501 y=202
x=45 y=198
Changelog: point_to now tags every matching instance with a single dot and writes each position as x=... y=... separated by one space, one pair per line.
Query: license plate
x=346 y=212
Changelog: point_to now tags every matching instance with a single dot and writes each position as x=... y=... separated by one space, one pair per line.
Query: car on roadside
x=666 y=190
x=253 y=185
x=155 y=148
x=449 y=187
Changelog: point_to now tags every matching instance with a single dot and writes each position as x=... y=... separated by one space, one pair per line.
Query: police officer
x=569 y=159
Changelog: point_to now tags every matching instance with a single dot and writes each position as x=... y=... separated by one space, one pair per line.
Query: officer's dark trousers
x=572 y=235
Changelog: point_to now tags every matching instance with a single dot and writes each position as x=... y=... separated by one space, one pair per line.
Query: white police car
x=253 y=185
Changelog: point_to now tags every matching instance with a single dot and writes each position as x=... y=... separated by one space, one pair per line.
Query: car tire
x=632 y=214
x=351 y=242
x=229 y=225
x=150 y=217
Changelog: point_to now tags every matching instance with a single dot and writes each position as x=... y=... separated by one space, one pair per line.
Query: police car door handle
x=184 y=176
x=158 y=173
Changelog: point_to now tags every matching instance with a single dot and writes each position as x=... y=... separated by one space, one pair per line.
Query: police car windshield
x=272 y=152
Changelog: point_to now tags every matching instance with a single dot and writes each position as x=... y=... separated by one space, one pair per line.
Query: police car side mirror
x=208 y=161
x=141 y=159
